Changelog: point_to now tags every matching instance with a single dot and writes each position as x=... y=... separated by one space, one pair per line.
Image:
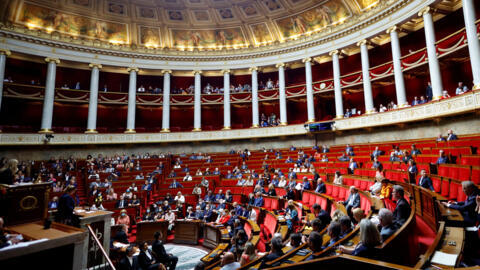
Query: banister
x=97 y=242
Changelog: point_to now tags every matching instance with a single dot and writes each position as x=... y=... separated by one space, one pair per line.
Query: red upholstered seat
x=312 y=199
x=424 y=235
x=329 y=189
x=335 y=191
x=274 y=204
x=321 y=201
x=305 y=198
x=356 y=182
x=443 y=171
x=364 y=185
x=453 y=172
x=445 y=187
x=453 y=190
x=460 y=194
x=341 y=193
x=267 y=203
x=463 y=173
x=475 y=175
x=389 y=204
x=437 y=183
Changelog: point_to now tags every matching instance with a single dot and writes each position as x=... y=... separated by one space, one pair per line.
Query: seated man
x=146 y=259
x=321 y=188
x=346 y=226
x=315 y=241
x=219 y=196
x=353 y=200
x=275 y=252
x=402 y=209
x=442 y=159
x=321 y=214
x=467 y=207
x=425 y=181
x=122 y=236
x=175 y=184
x=228 y=262
x=161 y=255
x=258 y=200
x=334 y=231
x=388 y=228
x=415 y=151
x=451 y=136
x=187 y=177
x=376 y=152
x=352 y=166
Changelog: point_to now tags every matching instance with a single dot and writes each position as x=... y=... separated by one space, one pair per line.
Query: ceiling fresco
x=188 y=24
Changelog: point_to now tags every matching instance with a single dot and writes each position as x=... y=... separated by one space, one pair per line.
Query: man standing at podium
x=66 y=204
x=162 y=256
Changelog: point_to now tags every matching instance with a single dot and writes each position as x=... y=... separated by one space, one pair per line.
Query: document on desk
x=444 y=258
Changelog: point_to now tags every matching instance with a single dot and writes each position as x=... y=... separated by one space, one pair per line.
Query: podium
x=146 y=229
x=24 y=203
x=100 y=222
x=187 y=231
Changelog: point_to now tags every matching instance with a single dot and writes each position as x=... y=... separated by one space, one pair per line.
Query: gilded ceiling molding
x=95 y=65
x=55 y=60
x=5 y=52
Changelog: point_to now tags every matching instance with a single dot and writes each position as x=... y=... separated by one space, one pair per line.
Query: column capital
x=424 y=11
x=362 y=42
x=95 y=65
x=334 y=52
x=253 y=69
x=226 y=71
x=308 y=59
x=195 y=72
x=5 y=52
x=130 y=69
x=392 y=29
x=166 y=71
x=55 y=60
x=280 y=65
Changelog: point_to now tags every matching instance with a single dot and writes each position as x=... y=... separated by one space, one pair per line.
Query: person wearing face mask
x=123 y=218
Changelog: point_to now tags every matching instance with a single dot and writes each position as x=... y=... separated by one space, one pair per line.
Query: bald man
x=228 y=262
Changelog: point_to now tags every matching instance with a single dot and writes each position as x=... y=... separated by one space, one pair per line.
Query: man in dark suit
x=321 y=214
x=386 y=222
x=451 y=136
x=428 y=92
x=122 y=236
x=425 y=181
x=66 y=204
x=162 y=256
x=146 y=259
x=321 y=188
x=122 y=203
x=353 y=200
x=402 y=210
x=129 y=262
x=467 y=207
x=276 y=252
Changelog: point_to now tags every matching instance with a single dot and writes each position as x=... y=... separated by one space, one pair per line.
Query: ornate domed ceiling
x=185 y=24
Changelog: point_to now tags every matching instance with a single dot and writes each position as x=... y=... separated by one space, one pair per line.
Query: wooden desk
x=146 y=229
x=62 y=249
x=453 y=240
x=214 y=235
x=451 y=217
x=187 y=231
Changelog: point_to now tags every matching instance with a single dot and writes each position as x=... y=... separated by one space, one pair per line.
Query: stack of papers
x=444 y=258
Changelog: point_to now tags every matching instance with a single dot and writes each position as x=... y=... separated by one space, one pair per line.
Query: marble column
x=337 y=86
x=47 y=113
x=367 y=85
x=255 y=116
x=197 y=117
x=433 y=65
x=132 y=96
x=309 y=86
x=3 y=61
x=166 y=101
x=282 y=94
x=472 y=37
x=397 y=67
x=226 y=99
x=93 y=102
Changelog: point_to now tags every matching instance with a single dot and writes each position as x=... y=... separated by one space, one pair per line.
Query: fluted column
x=3 y=61
x=282 y=94
x=472 y=37
x=226 y=99
x=337 y=86
x=47 y=112
x=197 y=117
x=309 y=86
x=132 y=96
x=255 y=116
x=166 y=101
x=93 y=102
x=367 y=85
x=434 y=67
x=397 y=67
